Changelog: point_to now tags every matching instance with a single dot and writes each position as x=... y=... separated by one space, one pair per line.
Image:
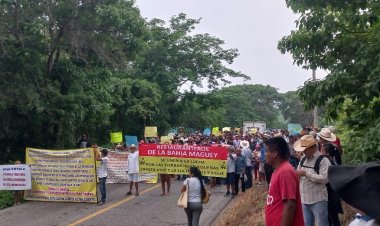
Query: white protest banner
x=117 y=169
x=15 y=177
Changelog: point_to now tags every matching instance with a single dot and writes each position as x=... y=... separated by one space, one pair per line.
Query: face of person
x=84 y=137
x=238 y=151
x=132 y=150
x=309 y=152
x=270 y=156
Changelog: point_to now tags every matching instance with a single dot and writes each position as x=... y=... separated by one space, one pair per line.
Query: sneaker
x=227 y=194
x=100 y=203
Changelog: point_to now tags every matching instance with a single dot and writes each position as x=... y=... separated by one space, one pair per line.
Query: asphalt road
x=147 y=209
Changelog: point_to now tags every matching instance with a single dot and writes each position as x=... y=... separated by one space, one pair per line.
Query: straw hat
x=327 y=135
x=244 y=144
x=304 y=142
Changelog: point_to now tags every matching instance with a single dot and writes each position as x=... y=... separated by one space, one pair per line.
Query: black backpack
x=317 y=163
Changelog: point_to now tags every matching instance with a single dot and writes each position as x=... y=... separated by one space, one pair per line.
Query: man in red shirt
x=284 y=205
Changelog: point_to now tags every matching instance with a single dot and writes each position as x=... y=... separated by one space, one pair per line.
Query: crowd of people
x=305 y=180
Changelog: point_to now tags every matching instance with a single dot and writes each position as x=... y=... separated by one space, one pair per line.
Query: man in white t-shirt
x=230 y=180
x=102 y=173
x=133 y=169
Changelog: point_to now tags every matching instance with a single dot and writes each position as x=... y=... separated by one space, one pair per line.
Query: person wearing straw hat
x=247 y=153
x=312 y=184
x=325 y=137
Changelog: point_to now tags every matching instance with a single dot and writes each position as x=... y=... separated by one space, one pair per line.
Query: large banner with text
x=177 y=159
x=117 y=169
x=62 y=176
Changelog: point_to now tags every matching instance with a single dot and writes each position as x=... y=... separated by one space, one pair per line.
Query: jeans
x=102 y=187
x=248 y=172
x=316 y=212
x=193 y=213
x=237 y=179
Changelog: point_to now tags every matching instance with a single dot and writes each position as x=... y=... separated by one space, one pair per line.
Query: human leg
x=102 y=185
x=197 y=209
x=162 y=180
x=237 y=176
x=189 y=214
x=308 y=215
x=168 y=184
x=320 y=211
x=248 y=172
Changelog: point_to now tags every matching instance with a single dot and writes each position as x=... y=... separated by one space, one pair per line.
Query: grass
x=248 y=210
x=6 y=199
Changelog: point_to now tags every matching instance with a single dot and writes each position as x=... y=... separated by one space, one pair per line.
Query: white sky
x=252 y=26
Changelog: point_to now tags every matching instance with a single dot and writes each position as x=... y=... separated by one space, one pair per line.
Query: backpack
x=317 y=163
x=333 y=197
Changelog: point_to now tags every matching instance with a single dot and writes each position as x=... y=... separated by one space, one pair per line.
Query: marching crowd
x=305 y=180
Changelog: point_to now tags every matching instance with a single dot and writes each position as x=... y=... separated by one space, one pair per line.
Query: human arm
x=97 y=154
x=288 y=212
x=184 y=187
x=320 y=178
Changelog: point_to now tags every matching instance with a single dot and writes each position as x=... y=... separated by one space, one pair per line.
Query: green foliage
x=70 y=67
x=250 y=102
x=6 y=199
x=341 y=37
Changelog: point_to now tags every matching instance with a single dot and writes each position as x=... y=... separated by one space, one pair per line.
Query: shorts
x=230 y=178
x=134 y=177
x=261 y=167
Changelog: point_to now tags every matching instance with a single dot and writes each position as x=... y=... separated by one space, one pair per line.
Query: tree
x=57 y=61
x=341 y=37
x=293 y=110
x=250 y=102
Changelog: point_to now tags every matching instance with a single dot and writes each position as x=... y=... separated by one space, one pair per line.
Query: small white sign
x=15 y=177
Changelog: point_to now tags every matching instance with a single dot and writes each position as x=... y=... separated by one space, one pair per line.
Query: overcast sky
x=252 y=26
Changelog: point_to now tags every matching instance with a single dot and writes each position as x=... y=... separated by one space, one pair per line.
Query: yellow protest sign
x=116 y=137
x=253 y=130
x=177 y=159
x=165 y=139
x=226 y=129
x=216 y=131
x=62 y=176
x=150 y=131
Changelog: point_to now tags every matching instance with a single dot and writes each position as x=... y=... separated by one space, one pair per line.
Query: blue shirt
x=262 y=152
x=240 y=164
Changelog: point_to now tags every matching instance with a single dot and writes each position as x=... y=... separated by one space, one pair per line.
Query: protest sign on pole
x=131 y=140
x=116 y=137
x=294 y=128
x=15 y=177
x=62 y=176
x=165 y=139
x=226 y=129
x=207 y=132
x=177 y=159
x=150 y=131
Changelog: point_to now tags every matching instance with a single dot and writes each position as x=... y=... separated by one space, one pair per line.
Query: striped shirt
x=313 y=186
